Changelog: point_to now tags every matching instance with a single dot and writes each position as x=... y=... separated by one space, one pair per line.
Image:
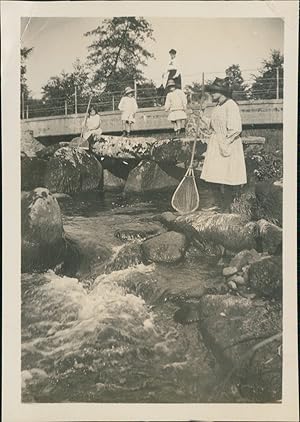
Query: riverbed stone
x=29 y=144
x=43 y=241
x=138 y=230
x=149 y=177
x=243 y=258
x=237 y=279
x=271 y=236
x=265 y=276
x=167 y=247
x=232 y=231
x=231 y=326
x=73 y=170
x=228 y=271
x=112 y=182
x=33 y=172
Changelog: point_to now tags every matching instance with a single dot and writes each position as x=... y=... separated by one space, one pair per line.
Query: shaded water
x=114 y=338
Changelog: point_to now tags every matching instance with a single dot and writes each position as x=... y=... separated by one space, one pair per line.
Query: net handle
x=193 y=154
x=85 y=117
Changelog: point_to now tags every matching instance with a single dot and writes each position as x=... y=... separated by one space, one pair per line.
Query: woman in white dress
x=92 y=125
x=129 y=107
x=176 y=103
x=224 y=162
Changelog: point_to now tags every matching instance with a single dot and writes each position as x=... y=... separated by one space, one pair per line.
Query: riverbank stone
x=271 y=237
x=29 y=144
x=265 y=277
x=138 y=230
x=228 y=271
x=33 y=172
x=73 y=170
x=244 y=258
x=232 y=231
x=149 y=177
x=167 y=247
x=43 y=241
x=231 y=326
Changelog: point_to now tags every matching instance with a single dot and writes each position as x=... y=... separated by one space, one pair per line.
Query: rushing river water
x=113 y=338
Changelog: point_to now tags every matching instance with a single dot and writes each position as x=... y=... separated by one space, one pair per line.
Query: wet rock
x=231 y=326
x=73 y=170
x=49 y=151
x=168 y=247
x=232 y=231
x=188 y=313
x=166 y=218
x=33 y=172
x=271 y=236
x=30 y=145
x=176 y=150
x=232 y=285
x=237 y=280
x=138 y=230
x=112 y=182
x=265 y=276
x=228 y=271
x=127 y=256
x=43 y=242
x=149 y=177
x=269 y=197
x=243 y=258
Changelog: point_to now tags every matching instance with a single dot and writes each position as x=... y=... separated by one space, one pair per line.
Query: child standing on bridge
x=176 y=103
x=128 y=106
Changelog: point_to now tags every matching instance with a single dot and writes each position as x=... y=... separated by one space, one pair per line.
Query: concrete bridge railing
x=258 y=112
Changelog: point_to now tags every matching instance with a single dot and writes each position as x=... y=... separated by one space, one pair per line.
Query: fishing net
x=186 y=196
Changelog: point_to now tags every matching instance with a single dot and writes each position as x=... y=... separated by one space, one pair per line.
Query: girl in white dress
x=129 y=107
x=92 y=125
x=224 y=162
x=176 y=103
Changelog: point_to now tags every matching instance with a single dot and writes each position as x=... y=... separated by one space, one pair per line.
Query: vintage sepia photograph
x=152 y=177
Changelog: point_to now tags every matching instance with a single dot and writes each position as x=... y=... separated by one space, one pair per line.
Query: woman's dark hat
x=220 y=85
x=172 y=51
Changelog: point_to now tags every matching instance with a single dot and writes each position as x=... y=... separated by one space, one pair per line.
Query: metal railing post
x=27 y=111
x=75 y=97
x=135 y=89
x=277 y=83
x=66 y=107
x=113 y=103
x=23 y=105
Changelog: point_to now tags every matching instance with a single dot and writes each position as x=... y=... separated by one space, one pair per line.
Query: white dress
x=92 y=126
x=176 y=103
x=224 y=160
x=129 y=107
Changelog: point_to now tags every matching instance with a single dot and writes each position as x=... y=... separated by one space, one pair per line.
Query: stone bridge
x=254 y=114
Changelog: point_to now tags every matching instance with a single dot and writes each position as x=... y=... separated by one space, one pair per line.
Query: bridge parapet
x=258 y=112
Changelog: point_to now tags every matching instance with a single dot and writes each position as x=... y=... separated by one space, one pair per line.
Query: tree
x=62 y=88
x=147 y=94
x=117 y=55
x=237 y=83
x=265 y=84
x=25 y=52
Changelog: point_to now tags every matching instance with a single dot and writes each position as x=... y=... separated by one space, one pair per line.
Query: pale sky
x=203 y=45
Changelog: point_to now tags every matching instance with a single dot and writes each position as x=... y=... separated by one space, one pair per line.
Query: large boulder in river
x=270 y=237
x=33 y=172
x=50 y=150
x=30 y=145
x=167 y=247
x=43 y=242
x=265 y=276
x=147 y=176
x=122 y=147
x=232 y=327
x=73 y=170
x=112 y=182
x=232 y=231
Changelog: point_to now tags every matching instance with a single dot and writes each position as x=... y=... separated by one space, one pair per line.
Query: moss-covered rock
x=167 y=247
x=265 y=276
x=232 y=327
x=73 y=170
